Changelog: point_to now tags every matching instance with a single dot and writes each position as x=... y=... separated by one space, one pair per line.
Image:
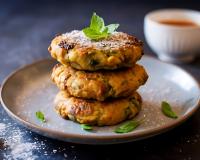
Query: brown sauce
x=182 y=23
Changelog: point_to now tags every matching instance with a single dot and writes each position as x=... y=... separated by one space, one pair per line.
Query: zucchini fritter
x=93 y=112
x=99 y=85
x=116 y=51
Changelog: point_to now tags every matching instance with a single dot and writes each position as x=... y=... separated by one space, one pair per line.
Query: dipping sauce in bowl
x=181 y=23
x=173 y=34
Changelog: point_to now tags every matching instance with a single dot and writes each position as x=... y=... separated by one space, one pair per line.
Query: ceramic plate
x=30 y=89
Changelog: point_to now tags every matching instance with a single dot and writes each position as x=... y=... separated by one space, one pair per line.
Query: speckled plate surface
x=30 y=89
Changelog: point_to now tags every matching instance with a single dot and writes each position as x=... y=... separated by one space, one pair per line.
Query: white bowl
x=170 y=42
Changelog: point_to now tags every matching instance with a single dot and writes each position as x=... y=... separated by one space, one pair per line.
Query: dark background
x=26 y=29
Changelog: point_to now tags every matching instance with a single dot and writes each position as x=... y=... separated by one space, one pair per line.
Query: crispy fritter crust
x=97 y=113
x=116 y=51
x=99 y=85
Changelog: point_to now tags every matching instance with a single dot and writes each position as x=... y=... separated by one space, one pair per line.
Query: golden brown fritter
x=99 y=85
x=116 y=51
x=97 y=113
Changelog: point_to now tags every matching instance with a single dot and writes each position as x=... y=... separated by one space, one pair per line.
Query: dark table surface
x=26 y=28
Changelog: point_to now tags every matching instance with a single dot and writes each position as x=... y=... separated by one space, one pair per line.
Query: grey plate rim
x=60 y=135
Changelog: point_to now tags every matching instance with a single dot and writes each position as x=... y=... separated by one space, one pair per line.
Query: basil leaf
x=112 y=27
x=167 y=110
x=97 y=23
x=40 y=116
x=127 y=126
x=86 y=127
x=97 y=29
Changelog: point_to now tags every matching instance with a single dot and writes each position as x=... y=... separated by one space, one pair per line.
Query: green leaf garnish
x=112 y=28
x=86 y=127
x=93 y=34
x=97 y=29
x=97 y=23
x=167 y=110
x=128 y=126
x=40 y=116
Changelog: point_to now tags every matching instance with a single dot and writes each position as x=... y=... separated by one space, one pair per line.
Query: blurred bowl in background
x=173 y=34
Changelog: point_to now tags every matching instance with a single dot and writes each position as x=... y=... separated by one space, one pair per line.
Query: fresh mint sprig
x=97 y=29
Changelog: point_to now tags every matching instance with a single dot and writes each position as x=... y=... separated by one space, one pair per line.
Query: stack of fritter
x=97 y=79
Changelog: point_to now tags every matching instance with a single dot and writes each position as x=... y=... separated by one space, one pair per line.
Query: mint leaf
x=112 y=27
x=86 y=127
x=97 y=23
x=105 y=30
x=92 y=34
x=127 y=126
x=97 y=29
x=167 y=110
x=40 y=116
